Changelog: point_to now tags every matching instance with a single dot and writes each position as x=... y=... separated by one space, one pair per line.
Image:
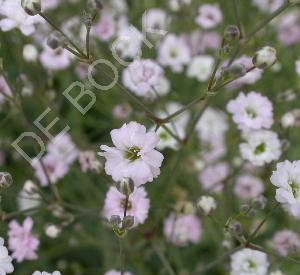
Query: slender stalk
x=54 y=26
x=87 y=41
x=164 y=260
x=122 y=257
x=237 y=18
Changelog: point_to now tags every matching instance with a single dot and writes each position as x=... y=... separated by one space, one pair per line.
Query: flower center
x=133 y=153
x=164 y=136
x=295 y=188
x=260 y=149
x=251 y=264
x=251 y=113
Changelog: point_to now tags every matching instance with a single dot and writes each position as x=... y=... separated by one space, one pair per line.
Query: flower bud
x=231 y=33
x=264 y=58
x=259 y=203
x=236 y=228
x=185 y=208
x=56 y=40
x=52 y=231
x=252 y=213
x=30 y=53
x=234 y=71
x=30 y=187
x=128 y=222
x=244 y=208
x=206 y=204
x=115 y=220
x=93 y=5
x=32 y=7
x=5 y=180
x=125 y=186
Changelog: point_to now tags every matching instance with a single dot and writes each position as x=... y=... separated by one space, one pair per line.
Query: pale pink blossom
x=213 y=149
x=248 y=187
x=289 y=28
x=180 y=230
x=5 y=260
x=55 y=60
x=134 y=155
x=251 y=111
x=62 y=146
x=138 y=204
x=21 y=241
x=54 y=166
x=121 y=111
x=213 y=176
x=106 y=28
x=209 y=16
x=142 y=76
x=286 y=241
x=268 y=5
x=86 y=160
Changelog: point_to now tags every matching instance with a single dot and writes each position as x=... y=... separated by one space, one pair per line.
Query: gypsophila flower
x=21 y=240
x=209 y=16
x=265 y=57
x=248 y=187
x=55 y=60
x=267 y=5
x=249 y=262
x=30 y=53
x=286 y=242
x=261 y=147
x=180 y=230
x=286 y=178
x=5 y=260
x=213 y=176
x=134 y=155
x=156 y=22
x=138 y=204
x=207 y=204
x=201 y=67
x=212 y=124
x=52 y=231
x=174 y=53
x=46 y=273
x=276 y=272
x=106 y=28
x=142 y=76
x=251 y=111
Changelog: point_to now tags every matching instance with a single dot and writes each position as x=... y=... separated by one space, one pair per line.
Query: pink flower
x=142 y=76
x=54 y=166
x=248 y=187
x=209 y=16
x=105 y=29
x=212 y=177
x=286 y=241
x=213 y=149
x=63 y=147
x=181 y=230
x=122 y=111
x=251 y=111
x=86 y=159
x=21 y=241
x=134 y=155
x=138 y=205
x=55 y=60
x=289 y=28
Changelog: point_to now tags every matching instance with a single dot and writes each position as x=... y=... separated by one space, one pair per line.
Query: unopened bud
x=32 y=7
x=236 y=228
x=252 y=213
x=264 y=58
x=52 y=231
x=128 y=222
x=231 y=33
x=185 y=208
x=125 y=186
x=115 y=220
x=5 y=180
x=93 y=5
x=234 y=71
x=30 y=187
x=56 y=40
x=244 y=208
x=259 y=203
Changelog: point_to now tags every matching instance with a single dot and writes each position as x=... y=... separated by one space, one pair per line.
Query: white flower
x=207 y=204
x=265 y=57
x=142 y=76
x=30 y=53
x=288 y=120
x=267 y=5
x=209 y=16
x=176 y=5
x=46 y=273
x=134 y=155
x=262 y=146
x=128 y=43
x=14 y=16
x=173 y=52
x=28 y=197
x=277 y=272
x=249 y=262
x=201 y=67
x=287 y=178
x=156 y=22
x=5 y=260
x=212 y=125
x=52 y=231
